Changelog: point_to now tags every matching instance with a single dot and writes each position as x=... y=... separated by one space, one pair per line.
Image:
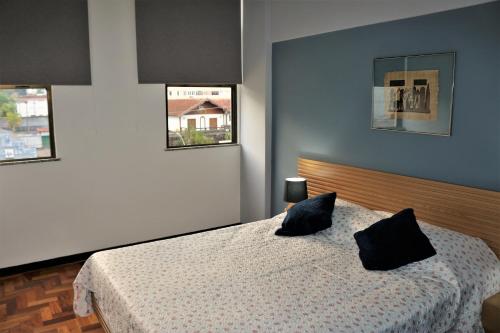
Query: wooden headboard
x=464 y=209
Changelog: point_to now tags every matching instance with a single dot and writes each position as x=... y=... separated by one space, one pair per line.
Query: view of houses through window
x=200 y=115
x=25 y=125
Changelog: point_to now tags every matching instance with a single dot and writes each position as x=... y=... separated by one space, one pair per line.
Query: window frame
x=234 y=116
x=53 y=154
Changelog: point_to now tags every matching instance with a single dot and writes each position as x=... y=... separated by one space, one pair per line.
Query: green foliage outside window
x=7 y=104
x=194 y=137
x=14 y=120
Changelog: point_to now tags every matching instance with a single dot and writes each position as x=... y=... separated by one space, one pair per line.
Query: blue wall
x=322 y=90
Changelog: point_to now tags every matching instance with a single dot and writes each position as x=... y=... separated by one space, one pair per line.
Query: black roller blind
x=189 y=41
x=44 y=42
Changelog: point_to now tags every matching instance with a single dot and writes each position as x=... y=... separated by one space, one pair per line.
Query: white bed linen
x=246 y=279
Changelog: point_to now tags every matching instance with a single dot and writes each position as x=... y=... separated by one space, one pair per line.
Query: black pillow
x=308 y=216
x=393 y=242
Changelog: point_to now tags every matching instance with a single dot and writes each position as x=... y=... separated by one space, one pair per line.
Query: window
x=26 y=129
x=201 y=116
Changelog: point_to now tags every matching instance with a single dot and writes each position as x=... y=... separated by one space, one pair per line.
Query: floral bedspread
x=246 y=279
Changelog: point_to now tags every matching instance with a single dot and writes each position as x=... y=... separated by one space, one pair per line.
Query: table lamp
x=295 y=189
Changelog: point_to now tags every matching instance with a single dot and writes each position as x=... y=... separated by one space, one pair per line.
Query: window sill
x=40 y=160
x=203 y=147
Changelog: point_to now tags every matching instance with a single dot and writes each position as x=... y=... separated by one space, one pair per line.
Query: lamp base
x=290 y=205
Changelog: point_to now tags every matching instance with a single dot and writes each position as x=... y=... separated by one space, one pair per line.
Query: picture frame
x=414 y=93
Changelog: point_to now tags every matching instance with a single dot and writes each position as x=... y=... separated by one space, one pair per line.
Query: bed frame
x=98 y=314
x=465 y=209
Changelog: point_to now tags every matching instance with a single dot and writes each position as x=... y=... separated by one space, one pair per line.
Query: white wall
x=115 y=184
x=254 y=133
x=268 y=21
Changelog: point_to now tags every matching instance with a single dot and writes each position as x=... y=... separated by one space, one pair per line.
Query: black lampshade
x=295 y=189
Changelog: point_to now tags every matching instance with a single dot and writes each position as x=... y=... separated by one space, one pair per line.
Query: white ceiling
x=298 y=18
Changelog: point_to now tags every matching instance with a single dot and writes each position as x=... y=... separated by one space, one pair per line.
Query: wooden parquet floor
x=42 y=302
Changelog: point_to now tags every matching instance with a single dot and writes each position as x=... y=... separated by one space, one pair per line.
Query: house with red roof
x=198 y=114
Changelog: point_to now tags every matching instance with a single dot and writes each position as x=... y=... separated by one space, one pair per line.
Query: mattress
x=246 y=279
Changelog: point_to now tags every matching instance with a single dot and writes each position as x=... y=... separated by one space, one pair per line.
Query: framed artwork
x=414 y=93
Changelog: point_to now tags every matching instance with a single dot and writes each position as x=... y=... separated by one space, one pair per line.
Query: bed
x=246 y=279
